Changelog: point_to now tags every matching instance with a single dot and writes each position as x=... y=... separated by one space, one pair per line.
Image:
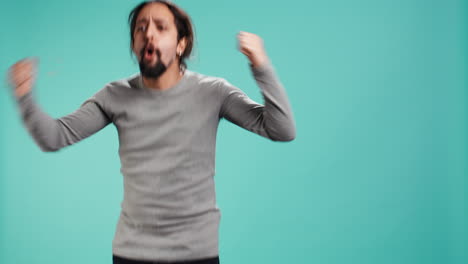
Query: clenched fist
x=251 y=46
x=22 y=76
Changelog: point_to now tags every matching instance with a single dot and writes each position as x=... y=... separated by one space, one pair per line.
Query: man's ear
x=181 y=45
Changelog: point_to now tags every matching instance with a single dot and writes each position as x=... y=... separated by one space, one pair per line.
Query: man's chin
x=153 y=70
x=149 y=64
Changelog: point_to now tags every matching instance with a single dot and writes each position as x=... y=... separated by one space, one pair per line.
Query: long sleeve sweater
x=167 y=153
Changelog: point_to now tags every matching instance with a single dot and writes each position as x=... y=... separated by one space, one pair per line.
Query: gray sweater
x=167 y=153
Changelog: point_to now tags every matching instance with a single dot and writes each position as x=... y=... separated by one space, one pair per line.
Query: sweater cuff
x=24 y=98
x=264 y=71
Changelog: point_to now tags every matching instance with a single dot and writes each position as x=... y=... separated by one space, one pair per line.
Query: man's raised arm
x=274 y=119
x=52 y=134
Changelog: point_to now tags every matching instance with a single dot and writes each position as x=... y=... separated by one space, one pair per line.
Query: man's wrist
x=259 y=62
x=260 y=68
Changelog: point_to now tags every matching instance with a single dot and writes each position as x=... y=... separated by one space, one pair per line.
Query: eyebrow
x=156 y=20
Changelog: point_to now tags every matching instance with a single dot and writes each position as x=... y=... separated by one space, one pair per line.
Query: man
x=167 y=118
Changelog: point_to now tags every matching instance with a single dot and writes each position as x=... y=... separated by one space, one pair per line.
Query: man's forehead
x=155 y=11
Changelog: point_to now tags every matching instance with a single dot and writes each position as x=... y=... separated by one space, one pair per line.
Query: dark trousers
x=122 y=260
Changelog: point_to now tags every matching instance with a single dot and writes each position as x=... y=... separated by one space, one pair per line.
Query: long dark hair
x=182 y=22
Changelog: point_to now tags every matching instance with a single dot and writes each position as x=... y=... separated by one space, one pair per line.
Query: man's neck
x=167 y=80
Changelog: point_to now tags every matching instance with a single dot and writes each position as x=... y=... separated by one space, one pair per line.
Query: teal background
x=377 y=173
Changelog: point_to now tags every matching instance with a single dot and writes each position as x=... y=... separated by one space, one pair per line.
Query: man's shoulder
x=129 y=82
x=115 y=89
x=204 y=79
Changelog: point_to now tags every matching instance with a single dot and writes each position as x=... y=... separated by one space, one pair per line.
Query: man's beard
x=150 y=71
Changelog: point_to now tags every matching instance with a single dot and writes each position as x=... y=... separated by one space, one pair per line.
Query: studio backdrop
x=377 y=172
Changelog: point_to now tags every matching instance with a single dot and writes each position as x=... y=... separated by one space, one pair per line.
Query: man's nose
x=151 y=32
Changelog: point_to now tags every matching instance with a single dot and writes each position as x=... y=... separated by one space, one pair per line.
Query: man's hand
x=22 y=76
x=252 y=47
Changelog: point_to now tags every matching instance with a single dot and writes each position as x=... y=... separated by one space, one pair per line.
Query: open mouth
x=149 y=52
